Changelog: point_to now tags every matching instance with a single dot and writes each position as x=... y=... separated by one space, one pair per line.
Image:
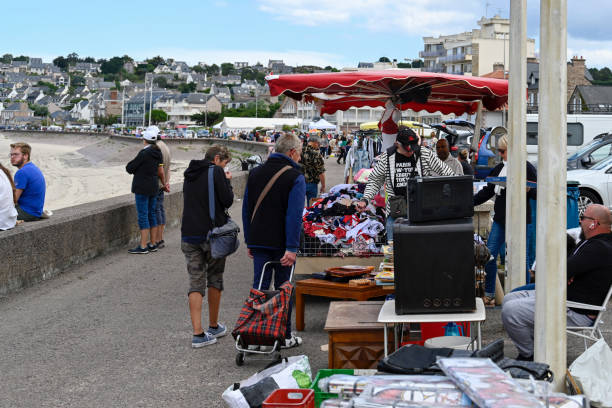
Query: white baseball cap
x=150 y=133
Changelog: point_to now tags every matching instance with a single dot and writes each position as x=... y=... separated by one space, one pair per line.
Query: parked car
x=591 y=154
x=595 y=184
x=203 y=133
x=458 y=132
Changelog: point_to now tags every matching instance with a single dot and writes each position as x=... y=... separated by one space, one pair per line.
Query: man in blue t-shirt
x=30 y=184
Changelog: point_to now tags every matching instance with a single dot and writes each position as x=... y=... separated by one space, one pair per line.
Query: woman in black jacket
x=146 y=167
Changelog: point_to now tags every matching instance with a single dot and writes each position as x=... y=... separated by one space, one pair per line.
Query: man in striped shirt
x=396 y=165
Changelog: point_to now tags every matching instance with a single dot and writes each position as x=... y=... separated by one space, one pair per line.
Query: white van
x=581 y=130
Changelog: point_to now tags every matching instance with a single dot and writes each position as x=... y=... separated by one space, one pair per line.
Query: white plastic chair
x=593 y=332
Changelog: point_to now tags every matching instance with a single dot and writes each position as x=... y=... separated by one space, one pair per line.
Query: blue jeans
x=312 y=190
x=281 y=274
x=389 y=226
x=160 y=211
x=530 y=286
x=145 y=207
x=495 y=244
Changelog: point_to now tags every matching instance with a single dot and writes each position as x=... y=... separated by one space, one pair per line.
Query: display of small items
x=332 y=226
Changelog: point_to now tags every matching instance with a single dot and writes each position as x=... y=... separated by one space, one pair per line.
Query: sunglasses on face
x=501 y=151
x=583 y=217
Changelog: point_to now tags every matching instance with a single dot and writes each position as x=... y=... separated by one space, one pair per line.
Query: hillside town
x=87 y=93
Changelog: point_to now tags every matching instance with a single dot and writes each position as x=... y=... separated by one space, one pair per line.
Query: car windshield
x=584 y=149
x=602 y=164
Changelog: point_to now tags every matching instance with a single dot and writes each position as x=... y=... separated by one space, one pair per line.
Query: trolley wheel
x=240 y=359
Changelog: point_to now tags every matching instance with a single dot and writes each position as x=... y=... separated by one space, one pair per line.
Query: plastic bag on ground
x=253 y=391
x=593 y=372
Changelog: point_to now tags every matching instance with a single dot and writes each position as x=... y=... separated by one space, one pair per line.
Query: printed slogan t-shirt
x=404 y=167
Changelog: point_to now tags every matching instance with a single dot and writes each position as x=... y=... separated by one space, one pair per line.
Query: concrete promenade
x=115 y=332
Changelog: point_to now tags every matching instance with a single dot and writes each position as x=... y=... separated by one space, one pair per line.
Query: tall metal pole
x=516 y=212
x=123 y=106
x=144 y=101
x=151 y=101
x=256 y=102
x=206 y=112
x=550 y=314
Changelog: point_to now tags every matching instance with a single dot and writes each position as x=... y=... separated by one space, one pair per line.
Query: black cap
x=407 y=137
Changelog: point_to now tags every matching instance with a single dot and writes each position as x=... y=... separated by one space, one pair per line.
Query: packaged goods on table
x=332 y=225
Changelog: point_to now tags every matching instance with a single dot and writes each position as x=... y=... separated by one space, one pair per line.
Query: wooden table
x=356 y=338
x=335 y=290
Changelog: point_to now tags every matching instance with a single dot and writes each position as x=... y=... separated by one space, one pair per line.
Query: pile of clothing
x=333 y=226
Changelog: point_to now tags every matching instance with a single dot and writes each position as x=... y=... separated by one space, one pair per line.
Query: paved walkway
x=115 y=332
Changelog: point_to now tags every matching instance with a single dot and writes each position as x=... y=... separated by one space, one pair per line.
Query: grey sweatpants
x=518 y=315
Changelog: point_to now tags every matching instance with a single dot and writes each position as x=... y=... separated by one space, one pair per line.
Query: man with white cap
x=147 y=168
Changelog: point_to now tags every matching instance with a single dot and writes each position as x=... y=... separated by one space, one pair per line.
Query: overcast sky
x=314 y=32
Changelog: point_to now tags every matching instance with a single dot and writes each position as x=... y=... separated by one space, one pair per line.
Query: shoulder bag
x=224 y=239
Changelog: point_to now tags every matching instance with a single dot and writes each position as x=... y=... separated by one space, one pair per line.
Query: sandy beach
x=80 y=168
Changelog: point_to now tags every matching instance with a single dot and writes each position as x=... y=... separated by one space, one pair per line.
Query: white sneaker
x=294 y=341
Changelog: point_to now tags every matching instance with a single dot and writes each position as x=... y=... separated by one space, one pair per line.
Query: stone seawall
x=36 y=251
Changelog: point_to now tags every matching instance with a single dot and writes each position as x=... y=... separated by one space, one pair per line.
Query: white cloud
x=418 y=17
x=597 y=53
x=212 y=56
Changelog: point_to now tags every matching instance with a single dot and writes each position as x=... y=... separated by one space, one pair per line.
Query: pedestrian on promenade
x=443 y=152
x=147 y=167
x=357 y=158
x=497 y=235
x=314 y=168
x=160 y=211
x=324 y=146
x=272 y=228
x=342 y=151
x=8 y=213
x=30 y=185
x=205 y=271
x=463 y=159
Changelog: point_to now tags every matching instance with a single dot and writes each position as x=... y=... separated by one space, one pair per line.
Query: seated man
x=30 y=184
x=589 y=276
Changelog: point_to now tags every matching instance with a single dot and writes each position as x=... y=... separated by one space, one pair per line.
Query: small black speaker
x=440 y=198
x=434 y=266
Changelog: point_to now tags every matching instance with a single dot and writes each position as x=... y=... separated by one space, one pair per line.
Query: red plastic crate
x=299 y=398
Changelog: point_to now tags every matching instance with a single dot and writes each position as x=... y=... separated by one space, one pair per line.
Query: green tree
x=227 y=68
x=213 y=69
x=6 y=58
x=187 y=88
x=89 y=59
x=107 y=120
x=198 y=69
x=158 y=115
x=61 y=63
x=155 y=61
x=40 y=111
x=72 y=58
x=52 y=87
x=418 y=63
x=161 y=81
x=384 y=59
x=112 y=66
x=22 y=58
x=77 y=80
x=206 y=119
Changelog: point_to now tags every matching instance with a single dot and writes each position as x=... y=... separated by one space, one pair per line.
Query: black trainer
x=152 y=247
x=138 y=250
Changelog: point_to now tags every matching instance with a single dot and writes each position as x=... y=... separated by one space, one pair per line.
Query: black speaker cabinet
x=434 y=266
x=440 y=198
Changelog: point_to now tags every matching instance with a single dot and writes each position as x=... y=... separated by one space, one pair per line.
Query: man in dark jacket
x=589 y=276
x=147 y=168
x=272 y=230
x=205 y=271
x=497 y=235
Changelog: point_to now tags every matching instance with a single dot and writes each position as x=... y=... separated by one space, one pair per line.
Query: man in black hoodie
x=589 y=276
x=205 y=271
